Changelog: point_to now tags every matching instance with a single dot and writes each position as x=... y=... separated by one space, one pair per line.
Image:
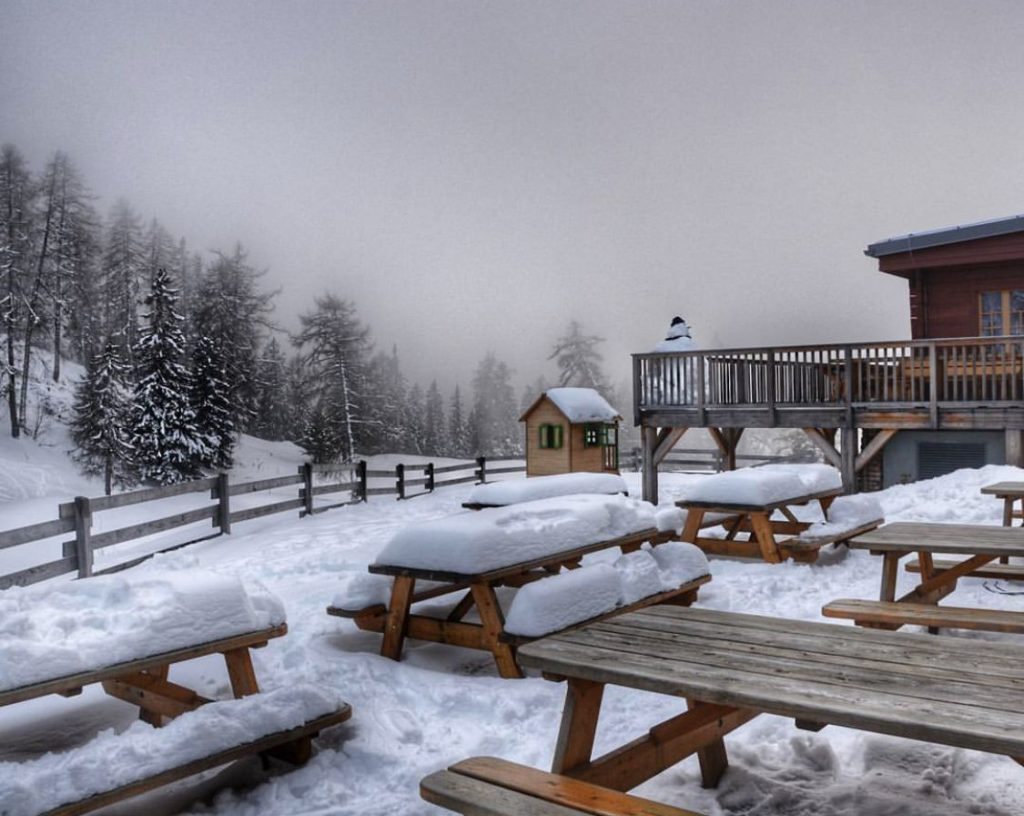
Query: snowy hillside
x=442 y=704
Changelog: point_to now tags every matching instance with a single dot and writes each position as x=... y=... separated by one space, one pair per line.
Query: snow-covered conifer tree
x=458 y=432
x=123 y=264
x=168 y=446
x=99 y=424
x=272 y=406
x=495 y=420
x=210 y=402
x=434 y=431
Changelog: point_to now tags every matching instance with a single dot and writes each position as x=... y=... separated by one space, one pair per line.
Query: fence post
x=429 y=471
x=223 y=495
x=481 y=470
x=400 y=481
x=307 y=491
x=361 y=476
x=83 y=536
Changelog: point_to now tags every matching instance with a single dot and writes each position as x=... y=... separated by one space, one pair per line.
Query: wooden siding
x=950 y=297
x=584 y=459
x=547 y=461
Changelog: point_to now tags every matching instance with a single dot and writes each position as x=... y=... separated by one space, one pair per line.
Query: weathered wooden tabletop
x=1004 y=489
x=958 y=692
x=965 y=539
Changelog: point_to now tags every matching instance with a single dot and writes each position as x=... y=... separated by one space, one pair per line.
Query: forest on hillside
x=181 y=351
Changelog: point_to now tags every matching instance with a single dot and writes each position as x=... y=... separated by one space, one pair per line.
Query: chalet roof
x=578 y=405
x=946 y=235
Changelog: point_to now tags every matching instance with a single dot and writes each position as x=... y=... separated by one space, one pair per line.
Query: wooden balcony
x=962 y=383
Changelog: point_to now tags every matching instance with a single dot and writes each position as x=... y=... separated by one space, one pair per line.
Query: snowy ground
x=442 y=704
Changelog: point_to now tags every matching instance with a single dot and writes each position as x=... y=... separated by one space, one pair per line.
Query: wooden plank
x=733 y=507
x=264 y=484
x=154 y=694
x=146 y=528
x=266 y=510
x=575 y=742
x=35 y=532
x=582 y=797
x=337 y=487
x=492 y=622
x=903 y=613
x=463 y=480
x=472 y=797
x=1011 y=572
x=79 y=679
x=397 y=616
x=310 y=728
x=966 y=539
x=1004 y=489
x=42 y=572
x=152 y=494
x=454 y=468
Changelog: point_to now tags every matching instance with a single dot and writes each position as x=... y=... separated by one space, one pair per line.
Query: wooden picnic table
x=144 y=682
x=731 y=667
x=772 y=539
x=981 y=544
x=397 y=620
x=1010 y=493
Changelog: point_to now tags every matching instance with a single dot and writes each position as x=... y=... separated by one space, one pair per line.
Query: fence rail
x=710 y=459
x=76 y=516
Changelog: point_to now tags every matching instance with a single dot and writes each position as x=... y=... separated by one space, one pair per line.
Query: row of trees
x=181 y=353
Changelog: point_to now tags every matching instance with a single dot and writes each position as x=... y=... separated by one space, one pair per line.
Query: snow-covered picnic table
x=125 y=631
x=525 y=545
x=760 y=502
x=517 y=491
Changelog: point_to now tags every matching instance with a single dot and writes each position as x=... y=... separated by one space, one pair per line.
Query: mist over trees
x=181 y=354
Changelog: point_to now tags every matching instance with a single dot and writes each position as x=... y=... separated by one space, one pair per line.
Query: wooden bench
x=143 y=682
x=485 y=786
x=894 y=614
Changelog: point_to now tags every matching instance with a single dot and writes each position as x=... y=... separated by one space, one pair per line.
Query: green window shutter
x=557 y=442
x=544 y=436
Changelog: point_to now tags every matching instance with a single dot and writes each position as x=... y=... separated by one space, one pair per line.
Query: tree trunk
x=31 y=318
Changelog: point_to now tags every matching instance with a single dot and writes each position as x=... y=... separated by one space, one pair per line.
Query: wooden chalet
x=883 y=413
x=571 y=430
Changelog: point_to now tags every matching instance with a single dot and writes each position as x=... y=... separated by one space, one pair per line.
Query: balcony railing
x=932 y=373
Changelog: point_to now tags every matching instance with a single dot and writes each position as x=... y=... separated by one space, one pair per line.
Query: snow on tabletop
x=582 y=405
x=52 y=631
x=515 y=491
x=110 y=760
x=364 y=589
x=573 y=596
x=764 y=485
x=475 y=542
x=846 y=513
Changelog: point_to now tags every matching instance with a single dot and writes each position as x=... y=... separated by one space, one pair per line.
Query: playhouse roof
x=578 y=405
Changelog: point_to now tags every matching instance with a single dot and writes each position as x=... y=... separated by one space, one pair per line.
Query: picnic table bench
x=981 y=543
x=397 y=620
x=731 y=667
x=143 y=681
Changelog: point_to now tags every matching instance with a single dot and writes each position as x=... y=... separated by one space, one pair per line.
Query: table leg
x=826 y=503
x=765 y=536
x=241 y=672
x=890 y=570
x=579 y=725
x=152 y=717
x=940 y=584
x=692 y=527
x=493 y=624
x=398 y=617
x=712 y=757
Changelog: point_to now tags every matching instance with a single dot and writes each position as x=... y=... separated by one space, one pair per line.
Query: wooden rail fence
x=76 y=516
x=709 y=460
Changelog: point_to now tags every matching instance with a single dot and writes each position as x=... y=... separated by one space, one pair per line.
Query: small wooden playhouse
x=571 y=430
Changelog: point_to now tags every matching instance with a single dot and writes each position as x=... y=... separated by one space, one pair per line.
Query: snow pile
x=489 y=539
x=759 y=486
x=847 y=513
x=669 y=519
x=582 y=405
x=515 y=491
x=51 y=631
x=110 y=760
x=573 y=596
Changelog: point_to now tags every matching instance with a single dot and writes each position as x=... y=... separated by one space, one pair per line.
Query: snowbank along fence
x=354 y=482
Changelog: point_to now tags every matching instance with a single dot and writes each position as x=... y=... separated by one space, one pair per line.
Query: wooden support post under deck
x=1015 y=447
x=848 y=436
x=648 y=442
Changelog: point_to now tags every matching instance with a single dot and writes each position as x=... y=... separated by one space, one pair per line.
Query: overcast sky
x=475 y=175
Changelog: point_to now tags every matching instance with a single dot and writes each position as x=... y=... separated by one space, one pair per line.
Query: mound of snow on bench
x=111 y=760
x=574 y=596
x=846 y=514
x=48 y=632
x=545 y=487
x=471 y=543
x=755 y=487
